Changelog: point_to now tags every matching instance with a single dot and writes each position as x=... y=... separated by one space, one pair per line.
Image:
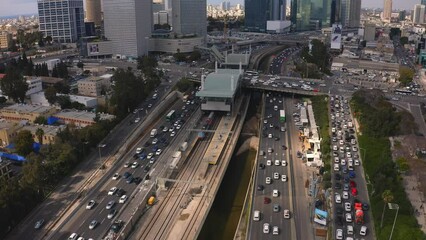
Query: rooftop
x=237 y=58
x=27 y=108
x=82 y=115
x=221 y=83
x=53 y=130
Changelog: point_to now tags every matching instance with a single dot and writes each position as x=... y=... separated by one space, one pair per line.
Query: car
x=112 y=213
x=139 y=150
x=127 y=164
x=135 y=165
x=150 y=155
x=343 y=162
x=354 y=149
x=356 y=162
x=284 y=178
x=365 y=207
x=346 y=187
x=276 y=208
x=270 y=135
x=137 y=120
x=348 y=217
x=352 y=174
x=277 y=162
x=268 y=162
x=90 y=204
x=116 y=176
x=284 y=147
x=137 y=180
x=123 y=199
x=268 y=180
x=110 y=204
x=266 y=200
x=275 y=230
x=130 y=180
x=337 y=186
x=276 y=175
x=352 y=184
x=178 y=126
x=282 y=129
x=363 y=231
x=286 y=213
x=260 y=187
x=172 y=134
x=165 y=129
x=266 y=228
x=345 y=195
x=158 y=152
x=150 y=105
x=283 y=163
x=73 y=236
x=339 y=234
x=275 y=193
x=262 y=166
x=93 y=224
x=39 y=224
x=348 y=154
x=336 y=167
x=126 y=175
x=337 y=198
x=120 y=192
x=147 y=168
x=271 y=125
x=112 y=191
x=339 y=210
x=270 y=150
x=337 y=177
x=348 y=206
x=154 y=141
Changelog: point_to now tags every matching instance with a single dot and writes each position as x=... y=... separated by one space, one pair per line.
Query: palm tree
x=39 y=133
x=387 y=197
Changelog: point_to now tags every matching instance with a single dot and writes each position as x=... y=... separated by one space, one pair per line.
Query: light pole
x=393 y=206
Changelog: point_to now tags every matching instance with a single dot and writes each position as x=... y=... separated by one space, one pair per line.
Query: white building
x=34 y=86
x=419 y=14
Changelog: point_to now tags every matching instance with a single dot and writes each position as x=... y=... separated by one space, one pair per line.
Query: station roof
x=220 y=84
x=236 y=58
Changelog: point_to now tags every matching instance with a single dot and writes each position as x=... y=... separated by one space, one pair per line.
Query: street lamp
x=393 y=206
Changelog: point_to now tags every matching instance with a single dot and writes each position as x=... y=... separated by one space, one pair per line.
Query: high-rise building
x=402 y=15
x=128 y=26
x=423 y=2
x=5 y=39
x=314 y=14
x=258 y=12
x=189 y=17
x=369 y=32
x=93 y=12
x=354 y=13
x=335 y=12
x=387 y=10
x=63 y=20
x=419 y=14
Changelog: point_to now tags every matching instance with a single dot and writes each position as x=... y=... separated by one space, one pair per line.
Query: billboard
x=320 y=216
x=336 y=36
x=93 y=48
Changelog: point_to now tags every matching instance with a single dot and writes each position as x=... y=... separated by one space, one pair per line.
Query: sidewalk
x=415 y=196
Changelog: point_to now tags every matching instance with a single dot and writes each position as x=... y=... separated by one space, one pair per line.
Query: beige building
x=81 y=118
x=5 y=39
x=9 y=131
x=93 y=86
x=49 y=132
x=19 y=112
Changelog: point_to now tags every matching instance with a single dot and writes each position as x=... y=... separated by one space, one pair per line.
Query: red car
x=352 y=184
x=354 y=192
x=266 y=200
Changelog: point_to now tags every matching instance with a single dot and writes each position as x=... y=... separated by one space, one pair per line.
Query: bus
x=282 y=115
x=250 y=73
x=171 y=115
x=403 y=92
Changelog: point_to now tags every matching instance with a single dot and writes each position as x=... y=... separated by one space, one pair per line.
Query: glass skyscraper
x=63 y=20
x=258 y=12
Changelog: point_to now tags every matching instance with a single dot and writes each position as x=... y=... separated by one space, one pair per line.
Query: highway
x=80 y=219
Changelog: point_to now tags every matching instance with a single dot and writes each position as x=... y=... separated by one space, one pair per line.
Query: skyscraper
x=354 y=13
x=387 y=10
x=423 y=2
x=258 y=12
x=189 y=17
x=335 y=12
x=93 y=12
x=128 y=25
x=63 y=20
x=419 y=14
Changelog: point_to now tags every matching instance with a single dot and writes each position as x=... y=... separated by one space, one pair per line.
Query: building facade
x=189 y=17
x=128 y=26
x=387 y=10
x=5 y=39
x=93 y=86
x=25 y=112
x=81 y=118
x=419 y=14
x=258 y=12
x=354 y=14
x=93 y=12
x=63 y=20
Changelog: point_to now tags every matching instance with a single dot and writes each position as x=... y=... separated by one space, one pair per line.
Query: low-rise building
x=34 y=86
x=49 y=132
x=8 y=131
x=19 y=112
x=93 y=86
x=81 y=118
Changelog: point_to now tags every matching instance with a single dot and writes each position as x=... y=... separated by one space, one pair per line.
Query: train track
x=158 y=227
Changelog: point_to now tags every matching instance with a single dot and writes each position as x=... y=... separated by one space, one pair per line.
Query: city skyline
x=29 y=7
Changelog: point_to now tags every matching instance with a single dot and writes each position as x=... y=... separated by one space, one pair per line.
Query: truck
x=359 y=213
x=183 y=146
x=153 y=132
x=151 y=200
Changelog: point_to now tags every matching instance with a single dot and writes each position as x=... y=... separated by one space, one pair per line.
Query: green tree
x=403 y=40
x=40 y=134
x=13 y=85
x=24 y=142
x=50 y=94
x=62 y=88
x=64 y=101
x=184 y=85
x=402 y=164
x=194 y=56
x=2 y=100
x=387 y=197
x=318 y=55
x=406 y=75
x=40 y=120
x=80 y=65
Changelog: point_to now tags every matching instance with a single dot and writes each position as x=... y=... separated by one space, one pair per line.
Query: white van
x=276 y=108
x=350 y=229
x=256 y=215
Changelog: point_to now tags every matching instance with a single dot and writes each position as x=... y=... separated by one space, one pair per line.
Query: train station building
x=220 y=89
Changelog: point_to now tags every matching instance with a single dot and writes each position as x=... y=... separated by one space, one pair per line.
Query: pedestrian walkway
x=412 y=189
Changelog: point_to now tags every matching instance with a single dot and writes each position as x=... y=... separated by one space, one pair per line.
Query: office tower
x=258 y=12
x=63 y=20
x=402 y=15
x=128 y=25
x=419 y=14
x=93 y=12
x=369 y=32
x=423 y=2
x=387 y=10
x=344 y=12
x=5 y=39
x=335 y=12
x=189 y=17
x=354 y=13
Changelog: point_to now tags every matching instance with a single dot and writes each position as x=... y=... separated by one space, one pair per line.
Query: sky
x=20 y=7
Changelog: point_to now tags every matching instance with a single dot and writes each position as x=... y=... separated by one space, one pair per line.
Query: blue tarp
x=52 y=120
x=36 y=147
x=13 y=157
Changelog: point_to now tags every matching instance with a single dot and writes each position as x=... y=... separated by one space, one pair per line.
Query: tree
x=403 y=40
x=13 y=85
x=64 y=101
x=39 y=133
x=62 y=88
x=24 y=142
x=184 y=85
x=387 y=197
x=194 y=56
x=40 y=120
x=80 y=65
x=406 y=75
x=50 y=94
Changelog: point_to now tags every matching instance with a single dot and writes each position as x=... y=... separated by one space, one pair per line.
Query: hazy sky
x=17 y=7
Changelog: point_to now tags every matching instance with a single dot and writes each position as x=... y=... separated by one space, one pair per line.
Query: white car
x=265 y=121
x=339 y=234
x=137 y=120
x=356 y=161
x=336 y=167
x=150 y=155
x=172 y=134
x=93 y=224
x=112 y=191
x=90 y=204
x=154 y=141
x=269 y=150
x=268 y=162
x=138 y=150
x=110 y=204
x=277 y=162
x=283 y=163
x=348 y=154
x=348 y=217
x=276 y=175
x=135 y=165
x=336 y=159
x=270 y=135
x=343 y=162
x=347 y=206
x=266 y=228
x=165 y=129
x=158 y=152
x=123 y=199
x=178 y=126
x=152 y=160
x=275 y=230
x=363 y=231
x=345 y=195
x=275 y=193
x=354 y=149
x=127 y=164
x=337 y=198
x=171 y=129
x=116 y=176
x=268 y=180
x=284 y=178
